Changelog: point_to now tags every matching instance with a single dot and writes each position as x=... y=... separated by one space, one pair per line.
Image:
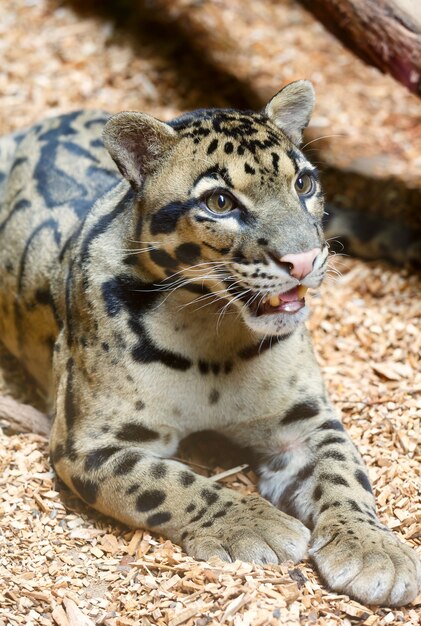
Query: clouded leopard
x=166 y=296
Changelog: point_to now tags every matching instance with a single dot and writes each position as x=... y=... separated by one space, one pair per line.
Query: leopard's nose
x=300 y=264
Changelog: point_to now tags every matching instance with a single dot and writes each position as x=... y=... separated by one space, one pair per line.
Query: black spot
x=220 y=513
x=87 y=489
x=188 y=253
x=98 y=457
x=249 y=169
x=329 y=505
x=105 y=346
x=331 y=440
x=70 y=412
x=150 y=499
x=208 y=524
x=147 y=352
x=354 y=506
x=133 y=431
x=186 y=478
x=212 y=146
x=190 y=508
x=317 y=493
x=262 y=242
x=124 y=291
x=300 y=411
x=127 y=463
x=159 y=470
x=336 y=479
x=228 y=147
x=139 y=405
x=199 y=514
x=363 y=480
x=275 y=161
x=132 y=489
x=209 y=496
x=295 y=158
x=332 y=425
x=184 y=534
x=165 y=220
x=158 y=518
x=228 y=365
x=203 y=367
x=214 y=396
x=163 y=259
x=334 y=454
x=96 y=143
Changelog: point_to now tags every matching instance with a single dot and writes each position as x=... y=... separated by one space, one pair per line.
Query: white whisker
x=322 y=137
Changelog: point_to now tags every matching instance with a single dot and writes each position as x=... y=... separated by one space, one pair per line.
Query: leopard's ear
x=291 y=108
x=137 y=142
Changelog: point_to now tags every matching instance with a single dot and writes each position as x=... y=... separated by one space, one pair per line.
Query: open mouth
x=288 y=302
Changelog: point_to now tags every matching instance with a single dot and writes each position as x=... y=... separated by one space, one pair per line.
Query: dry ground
x=60 y=562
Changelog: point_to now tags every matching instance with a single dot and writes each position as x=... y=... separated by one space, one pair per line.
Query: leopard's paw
x=370 y=564
x=251 y=529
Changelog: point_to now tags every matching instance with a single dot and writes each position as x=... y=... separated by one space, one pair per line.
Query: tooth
x=274 y=301
x=301 y=291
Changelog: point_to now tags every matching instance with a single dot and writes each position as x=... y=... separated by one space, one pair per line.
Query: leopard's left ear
x=137 y=142
x=291 y=108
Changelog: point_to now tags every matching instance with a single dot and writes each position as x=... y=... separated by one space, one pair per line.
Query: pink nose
x=302 y=263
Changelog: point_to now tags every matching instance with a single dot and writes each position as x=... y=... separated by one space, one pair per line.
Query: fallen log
x=22 y=418
x=384 y=33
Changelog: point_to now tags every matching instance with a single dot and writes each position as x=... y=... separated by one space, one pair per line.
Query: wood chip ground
x=63 y=564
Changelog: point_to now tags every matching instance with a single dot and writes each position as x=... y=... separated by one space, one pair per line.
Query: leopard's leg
x=309 y=468
x=118 y=464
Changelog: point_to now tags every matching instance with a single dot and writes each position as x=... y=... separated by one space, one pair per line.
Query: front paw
x=250 y=529
x=368 y=563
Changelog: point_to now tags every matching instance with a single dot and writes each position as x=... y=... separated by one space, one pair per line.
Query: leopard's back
x=50 y=177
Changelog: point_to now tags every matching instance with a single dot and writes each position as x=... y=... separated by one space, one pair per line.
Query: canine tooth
x=274 y=301
x=301 y=291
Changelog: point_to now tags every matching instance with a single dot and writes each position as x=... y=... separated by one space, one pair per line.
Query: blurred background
x=166 y=56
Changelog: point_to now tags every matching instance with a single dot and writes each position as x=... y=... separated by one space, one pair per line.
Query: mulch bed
x=60 y=562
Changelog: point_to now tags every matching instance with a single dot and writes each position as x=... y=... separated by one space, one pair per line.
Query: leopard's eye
x=304 y=184
x=219 y=202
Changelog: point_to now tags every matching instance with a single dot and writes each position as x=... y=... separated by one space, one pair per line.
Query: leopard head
x=227 y=203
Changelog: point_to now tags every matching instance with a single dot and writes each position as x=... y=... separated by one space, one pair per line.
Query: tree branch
x=23 y=418
x=384 y=33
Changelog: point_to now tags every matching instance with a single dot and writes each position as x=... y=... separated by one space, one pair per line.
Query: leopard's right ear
x=137 y=142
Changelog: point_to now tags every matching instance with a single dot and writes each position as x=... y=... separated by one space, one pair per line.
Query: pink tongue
x=289 y=296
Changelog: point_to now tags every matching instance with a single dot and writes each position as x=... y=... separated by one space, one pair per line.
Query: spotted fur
x=138 y=308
